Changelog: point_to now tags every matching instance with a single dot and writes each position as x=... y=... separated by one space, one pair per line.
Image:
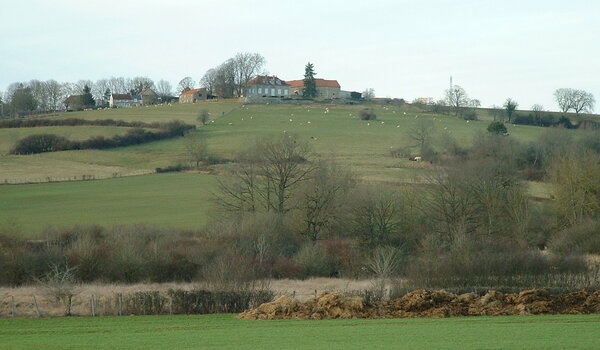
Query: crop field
x=225 y=332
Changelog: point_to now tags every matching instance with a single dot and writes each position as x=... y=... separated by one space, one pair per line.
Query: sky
x=405 y=49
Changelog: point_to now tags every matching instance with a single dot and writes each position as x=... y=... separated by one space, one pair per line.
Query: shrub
x=313 y=259
x=497 y=128
x=583 y=238
x=41 y=143
x=367 y=114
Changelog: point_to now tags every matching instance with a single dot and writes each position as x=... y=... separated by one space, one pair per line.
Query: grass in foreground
x=226 y=332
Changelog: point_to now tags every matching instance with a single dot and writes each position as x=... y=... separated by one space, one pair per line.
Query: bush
x=41 y=143
x=583 y=238
x=497 y=128
x=367 y=114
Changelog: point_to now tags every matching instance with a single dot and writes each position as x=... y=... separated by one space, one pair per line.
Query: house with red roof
x=193 y=96
x=326 y=89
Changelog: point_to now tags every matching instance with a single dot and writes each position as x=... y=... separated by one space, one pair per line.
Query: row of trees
x=230 y=77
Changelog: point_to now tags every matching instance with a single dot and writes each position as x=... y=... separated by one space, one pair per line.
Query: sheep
x=229 y=123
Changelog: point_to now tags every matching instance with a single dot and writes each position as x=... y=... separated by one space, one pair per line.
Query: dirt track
x=429 y=303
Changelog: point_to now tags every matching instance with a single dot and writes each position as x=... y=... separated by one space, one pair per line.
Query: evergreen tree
x=106 y=94
x=87 y=99
x=310 y=87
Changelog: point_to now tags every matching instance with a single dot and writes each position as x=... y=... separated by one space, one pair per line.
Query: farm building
x=193 y=96
x=149 y=97
x=267 y=86
x=326 y=89
x=124 y=100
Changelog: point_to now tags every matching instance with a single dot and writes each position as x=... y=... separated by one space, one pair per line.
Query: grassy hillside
x=226 y=332
x=181 y=200
x=334 y=131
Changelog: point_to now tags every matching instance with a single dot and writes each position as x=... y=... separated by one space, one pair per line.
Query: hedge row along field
x=41 y=143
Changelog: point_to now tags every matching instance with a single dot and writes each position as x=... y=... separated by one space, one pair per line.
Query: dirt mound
x=430 y=303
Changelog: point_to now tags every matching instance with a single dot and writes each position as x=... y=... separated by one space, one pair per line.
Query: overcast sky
x=493 y=49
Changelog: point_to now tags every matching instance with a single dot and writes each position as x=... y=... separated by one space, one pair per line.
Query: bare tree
x=185 y=84
x=99 y=90
x=209 y=80
x=203 y=117
x=510 y=106
x=321 y=198
x=266 y=175
x=141 y=83
x=583 y=101
x=195 y=148
x=225 y=85
x=38 y=89
x=246 y=66
x=422 y=133
x=55 y=93
x=457 y=98
x=368 y=94
x=164 y=89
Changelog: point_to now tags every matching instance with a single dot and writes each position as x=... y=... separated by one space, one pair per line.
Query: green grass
x=226 y=332
x=173 y=199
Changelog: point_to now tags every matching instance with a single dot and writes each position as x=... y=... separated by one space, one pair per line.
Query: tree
x=209 y=80
x=195 y=148
x=22 y=101
x=203 y=117
x=583 y=101
x=246 y=66
x=421 y=133
x=86 y=98
x=377 y=218
x=368 y=94
x=321 y=198
x=310 y=87
x=225 y=85
x=574 y=176
x=497 y=128
x=457 y=98
x=510 y=106
x=564 y=98
x=55 y=93
x=99 y=91
x=266 y=175
x=537 y=110
x=185 y=84
x=140 y=83
x=164 y=89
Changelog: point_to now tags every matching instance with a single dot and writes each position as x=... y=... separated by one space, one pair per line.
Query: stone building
x=148 y=96
x=123 y=100
x=266 y=86
x=193 y=96
x=326 y=89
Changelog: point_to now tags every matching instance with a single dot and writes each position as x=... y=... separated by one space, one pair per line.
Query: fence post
x=120 y=297
x=93 y=306
x=13 y=306
x=37 y=308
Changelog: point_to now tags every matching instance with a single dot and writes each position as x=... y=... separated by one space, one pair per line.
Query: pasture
x=174 y=200
x=334 y=131
x=225 y=332
x=183 y=200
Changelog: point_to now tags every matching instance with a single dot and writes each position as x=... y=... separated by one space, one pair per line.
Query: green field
x=226 y=332
x=181 y=200
x=175 y=199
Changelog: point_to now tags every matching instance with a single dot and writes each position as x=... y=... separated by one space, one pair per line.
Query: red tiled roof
x=318 y=81
x=265 y=80
x=122 y=97
x=193 y=91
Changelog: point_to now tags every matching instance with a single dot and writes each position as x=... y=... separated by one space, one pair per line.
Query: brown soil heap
x=429 y=303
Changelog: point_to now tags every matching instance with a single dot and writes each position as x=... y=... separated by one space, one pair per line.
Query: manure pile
x=429 y=303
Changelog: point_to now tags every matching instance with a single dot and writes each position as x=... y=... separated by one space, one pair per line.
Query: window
x=260 y=90
x=272 y=92
x=285 y=92
x=278 y=92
